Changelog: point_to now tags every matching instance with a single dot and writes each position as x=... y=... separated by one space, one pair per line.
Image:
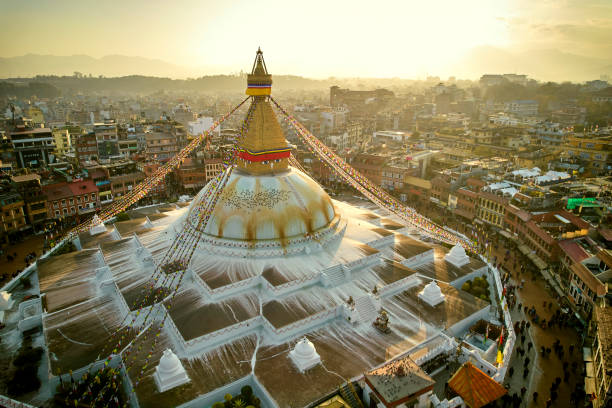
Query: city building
x=123 y=177
x=35 y=202
x=71 y=199
x=63 y=141
x=598 y=358
x=594 y=152
x=199 y=126
x=12 y=215
x=160 y=146
x=107 y=140
x=33 y=147
x=86 y=148
x=492 y=208
x=522 y=108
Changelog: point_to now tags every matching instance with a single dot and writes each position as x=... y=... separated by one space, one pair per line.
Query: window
x=93 y=196
x=57 y=213
x=85 y=198
x=55 y=204
x=65 y=211
x=80 y=208
x=64 y=202
x=71 y=201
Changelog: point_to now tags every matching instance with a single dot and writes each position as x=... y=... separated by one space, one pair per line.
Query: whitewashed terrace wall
x=233 y=388
x=240 y=329
x=302 y=326
x=399 y=286
x=420 y=259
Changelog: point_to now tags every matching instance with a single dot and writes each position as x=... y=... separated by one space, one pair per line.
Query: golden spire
x=263 y=149
x=259 y=82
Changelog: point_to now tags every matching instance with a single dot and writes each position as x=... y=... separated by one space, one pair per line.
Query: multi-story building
x=33 y=146
x=492 y=208
x=35 y=202
x=183 y=114
x=333 y=120
x=199 y=126
x=128 y=147
x=598 y=376
x=68 y=199
x=212 y=167
x=522 y=107
x=63 y=142
x=86 y=148
x=192 y=175
x=370 y=165
x=594 y=152
x=7 y=153
x=359 y=102
x=148 y=169
x=123 y=176
x=107 y=139
x=100 y=176
x=12 y=214
x=393 y=175
x=160 y=146
x=440 y=189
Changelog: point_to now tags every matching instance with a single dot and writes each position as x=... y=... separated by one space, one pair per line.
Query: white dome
x=266 y=207
x=432 y=290
x=304 y=355
x=457 y=251
x=457 y=256
x=169 y=372
x=304 y=348
x=432 y=294
x=169 y=363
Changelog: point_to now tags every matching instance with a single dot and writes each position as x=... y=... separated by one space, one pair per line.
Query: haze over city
x=316 y=204
x=548 y=40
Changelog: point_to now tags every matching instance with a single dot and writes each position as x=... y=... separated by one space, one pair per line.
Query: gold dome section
x=264 y=149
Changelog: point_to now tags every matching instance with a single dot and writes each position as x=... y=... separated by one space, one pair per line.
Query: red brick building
x=71 y=199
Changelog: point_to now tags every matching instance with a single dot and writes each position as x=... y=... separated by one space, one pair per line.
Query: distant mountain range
x=30 y=65
x=545 y=65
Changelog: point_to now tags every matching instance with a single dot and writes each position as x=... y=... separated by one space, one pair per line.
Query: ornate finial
x=263 y=149
x=259 y=81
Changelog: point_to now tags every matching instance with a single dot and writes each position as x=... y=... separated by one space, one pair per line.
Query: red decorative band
x=264 y=157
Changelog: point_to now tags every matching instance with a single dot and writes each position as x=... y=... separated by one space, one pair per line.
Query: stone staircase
x=366 y=309
x=349 y=395
x=334 y=276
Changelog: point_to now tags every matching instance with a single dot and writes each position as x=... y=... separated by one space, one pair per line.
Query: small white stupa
x=5 y=301
x=170 y=372
x=5 y=304
x=304 y=355
x=97 y=226
x=457 y=256
x=431 y=294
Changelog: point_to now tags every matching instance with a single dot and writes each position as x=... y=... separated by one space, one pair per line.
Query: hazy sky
x=316 y=38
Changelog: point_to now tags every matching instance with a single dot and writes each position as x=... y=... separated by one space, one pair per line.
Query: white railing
x=11 y=403
x=399 y=285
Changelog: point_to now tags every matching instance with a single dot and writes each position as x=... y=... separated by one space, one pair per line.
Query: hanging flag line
x=376 y=194
x=184 y=244
x=143 y=188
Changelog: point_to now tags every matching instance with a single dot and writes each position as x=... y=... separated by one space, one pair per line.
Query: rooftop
x=399 y=380
x=475 y=387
